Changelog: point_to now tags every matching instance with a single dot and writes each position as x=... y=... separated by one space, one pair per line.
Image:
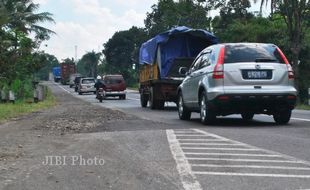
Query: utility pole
x=75 y=48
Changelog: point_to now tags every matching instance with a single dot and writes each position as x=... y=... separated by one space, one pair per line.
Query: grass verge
x=10 y=110
x=303 y=107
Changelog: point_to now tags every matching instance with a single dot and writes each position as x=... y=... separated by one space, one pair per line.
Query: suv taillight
x=289 y=67
x=218 y=72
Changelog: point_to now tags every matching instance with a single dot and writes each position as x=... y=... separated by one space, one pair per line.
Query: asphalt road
x=230 y=154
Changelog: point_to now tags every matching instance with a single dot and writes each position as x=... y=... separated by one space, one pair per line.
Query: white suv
x=238 y=78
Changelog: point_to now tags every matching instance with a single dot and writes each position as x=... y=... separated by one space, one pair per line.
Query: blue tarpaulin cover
x=177 y=42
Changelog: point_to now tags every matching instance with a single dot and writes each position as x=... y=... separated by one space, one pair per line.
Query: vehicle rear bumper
x=256 y=103
x=115 y=93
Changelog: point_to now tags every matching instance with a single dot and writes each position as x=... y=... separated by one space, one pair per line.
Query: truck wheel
x=152 y=99
x=247 y=116
x=184 y=113
x=282 y=117
x=143 y=100
x=206 y=115
x=160 y=104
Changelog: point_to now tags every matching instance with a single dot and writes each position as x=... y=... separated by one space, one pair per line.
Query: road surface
x=230 y=154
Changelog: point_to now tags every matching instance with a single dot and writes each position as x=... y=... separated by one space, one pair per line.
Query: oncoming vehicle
x=238 y=78
x=86 y=85
x=114 y=85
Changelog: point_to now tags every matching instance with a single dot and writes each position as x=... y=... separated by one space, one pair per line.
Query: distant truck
x=57 y=74
x=66 y=70
x=160 y=59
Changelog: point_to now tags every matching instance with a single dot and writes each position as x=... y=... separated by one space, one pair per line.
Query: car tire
x=75 y=89
x=100 y=99
x=282 y=117
x=152 y=99
x=124 y=97
x=143 y=100
x=80 y=93
x=247 y=116
x=206 y=115
x=184 y=113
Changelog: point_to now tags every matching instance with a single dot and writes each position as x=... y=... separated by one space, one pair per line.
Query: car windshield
x=252 y=53
x=88 y=81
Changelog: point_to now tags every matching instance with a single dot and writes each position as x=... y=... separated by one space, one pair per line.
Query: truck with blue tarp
x=160 y=59
x=57 y=74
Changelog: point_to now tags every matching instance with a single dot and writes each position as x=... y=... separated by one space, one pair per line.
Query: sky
x=85 y=25
x=88 y=24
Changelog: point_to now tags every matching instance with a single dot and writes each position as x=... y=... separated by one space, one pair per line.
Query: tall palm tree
x=22 y=16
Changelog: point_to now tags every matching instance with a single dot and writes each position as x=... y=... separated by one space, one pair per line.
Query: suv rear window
x=88 y=81
x=252 y=53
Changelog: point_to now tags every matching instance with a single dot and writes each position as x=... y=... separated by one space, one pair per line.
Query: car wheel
x=100 y=99
x=80 y=93
x=282 y=117
x=206 y=115
x=184 y=113
x=124 y=97
x=247 y=116
x=75 y=89
x=143 y=100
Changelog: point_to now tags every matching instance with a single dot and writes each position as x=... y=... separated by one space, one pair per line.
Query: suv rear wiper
x=265 y=60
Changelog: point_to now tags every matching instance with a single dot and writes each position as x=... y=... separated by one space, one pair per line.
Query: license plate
x=257 y=74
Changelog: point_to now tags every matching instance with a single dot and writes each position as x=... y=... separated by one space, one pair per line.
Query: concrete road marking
x=188 y=180
x=207 y=148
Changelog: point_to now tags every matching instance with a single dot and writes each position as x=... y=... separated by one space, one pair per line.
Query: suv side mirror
x=183 y=71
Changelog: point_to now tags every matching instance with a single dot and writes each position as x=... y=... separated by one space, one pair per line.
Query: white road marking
x=245 y=160
x=207 y=148
x=231 y=154
x=252 y=174
x=63 y=88
x=185 y=135
x=300 y=119
x=206 y=140
x=250 y=166
x=213 y=144
x=193 y=153
x=188 y=180
x=258 y=149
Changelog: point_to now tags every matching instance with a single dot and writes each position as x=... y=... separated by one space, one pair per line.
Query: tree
x=122 y=51
x=296 y=14
x=19 y=18
x=90 y=62
x=168 y=14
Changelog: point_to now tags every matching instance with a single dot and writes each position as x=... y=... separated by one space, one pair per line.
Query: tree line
x=287 y=26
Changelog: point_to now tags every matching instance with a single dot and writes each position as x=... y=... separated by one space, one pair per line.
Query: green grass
x=303 y=107
x=10 y=110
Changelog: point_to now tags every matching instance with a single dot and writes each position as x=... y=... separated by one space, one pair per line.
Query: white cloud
x=41 y=2
x=97 y=24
